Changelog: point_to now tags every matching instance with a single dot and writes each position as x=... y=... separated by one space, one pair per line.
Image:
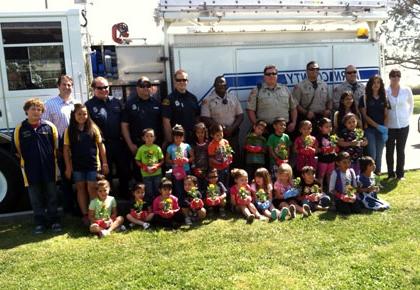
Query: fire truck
x=233 y=38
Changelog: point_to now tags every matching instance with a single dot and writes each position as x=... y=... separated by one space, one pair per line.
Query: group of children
x=330 y=170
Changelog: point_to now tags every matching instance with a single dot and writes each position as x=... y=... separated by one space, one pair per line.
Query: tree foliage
x=402 y=34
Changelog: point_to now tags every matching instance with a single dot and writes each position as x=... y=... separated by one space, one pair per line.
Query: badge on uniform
x=95 y=109
x=177 y=103
x=134 y=107
x=166 y=102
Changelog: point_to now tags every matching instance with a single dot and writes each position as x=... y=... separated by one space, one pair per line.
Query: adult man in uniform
x=106 y=113
x=271 y=100
x=350 y=84
x=312 y=98
x=141 y=112
x=221 y=107
x=180 y=107
x=57 y=111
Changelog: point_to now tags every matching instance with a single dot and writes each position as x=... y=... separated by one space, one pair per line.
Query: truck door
x=3 y=123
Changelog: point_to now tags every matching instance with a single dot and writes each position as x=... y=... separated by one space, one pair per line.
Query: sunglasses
x=351 y=72
x=313 y=69
x=181 y=80
x=271 y=74
x=102 y=88
x=145 y=86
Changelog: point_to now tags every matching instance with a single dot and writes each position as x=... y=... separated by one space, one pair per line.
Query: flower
x=243 y=193
x=212 y=191
x=307 y=141
x=296 y=182
x=178 y=153
x=139 y=205
x=103 y=213
x=194 y=193
x=315 y=188
x=282 y=151
x=359 y=134
x=350 y=190
x=261 y=195
x=334 y=140
x=167 y=204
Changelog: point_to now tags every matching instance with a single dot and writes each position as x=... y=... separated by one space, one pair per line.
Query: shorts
x=81 y=176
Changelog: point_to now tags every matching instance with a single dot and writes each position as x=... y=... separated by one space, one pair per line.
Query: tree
x=401 y=33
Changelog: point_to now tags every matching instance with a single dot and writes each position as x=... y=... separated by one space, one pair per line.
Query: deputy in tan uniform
x=271 y=101
x=224 y=108
x=350 y=84
x=311 y=96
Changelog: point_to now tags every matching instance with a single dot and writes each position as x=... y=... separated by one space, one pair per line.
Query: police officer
x=141 y=112
x=271 y=100
x=106 y=113
x=221 y=107
x=350 y=84
x=311 y=96
x=180 y=107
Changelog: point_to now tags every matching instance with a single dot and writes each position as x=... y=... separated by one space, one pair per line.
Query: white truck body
x=231 y=38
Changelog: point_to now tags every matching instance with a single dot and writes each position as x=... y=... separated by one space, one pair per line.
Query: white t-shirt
x=401 y=108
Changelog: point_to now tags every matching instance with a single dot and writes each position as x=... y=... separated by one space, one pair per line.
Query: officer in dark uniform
x=106 y=113
x=180 y=107
x=141 y=112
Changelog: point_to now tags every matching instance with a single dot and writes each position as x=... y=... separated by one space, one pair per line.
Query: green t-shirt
x=103 y=209
x=149 y=155
x=280 y=145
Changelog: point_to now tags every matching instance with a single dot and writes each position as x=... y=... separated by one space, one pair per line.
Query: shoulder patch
x=166 y=102
x=205 y=102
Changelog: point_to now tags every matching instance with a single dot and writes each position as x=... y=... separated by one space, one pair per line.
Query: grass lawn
x=417 y=104
x=377 y=250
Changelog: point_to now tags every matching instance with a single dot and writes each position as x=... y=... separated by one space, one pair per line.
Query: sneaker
x=401 y=178
x=283 y=213
x=56 y=228
x=306 y=210
x=122 y=228
x=131 y=225
x=273 y=214
x=222 y=212
x=292 y=210
x=146 y=225
x=188 y=221
x=250 y=219
x=39 y=229
x=262 y=218
x=104 y=233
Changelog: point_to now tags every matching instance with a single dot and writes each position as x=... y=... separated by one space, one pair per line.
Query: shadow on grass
x=388 y=185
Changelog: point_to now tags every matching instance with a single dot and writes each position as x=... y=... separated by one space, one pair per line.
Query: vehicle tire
x=11 y=182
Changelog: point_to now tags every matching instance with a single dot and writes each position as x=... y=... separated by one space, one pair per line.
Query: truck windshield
x=34 y=54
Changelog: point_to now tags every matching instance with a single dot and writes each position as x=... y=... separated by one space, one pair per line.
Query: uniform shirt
x=224 y=114
x=149 y=155
x=84 y=152
x=36 y=147
x=57 y=111
x=107 y=116
x=401 y=108
x=358 y=91
x=269 y=104
x=181 y=109
x=102 y=209
x=141 y=114
x=304 y=91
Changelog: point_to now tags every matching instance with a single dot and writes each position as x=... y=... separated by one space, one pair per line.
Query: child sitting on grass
x=140 y=214
x=369 y=186
x=343 y=185
x=241 y=196
x=262 y=189
x=192 y=204
x=166 y=208
x=311 y=191
x=103 y=211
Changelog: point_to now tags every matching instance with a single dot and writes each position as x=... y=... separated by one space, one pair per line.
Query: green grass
x=417 y=104
x=378 y=250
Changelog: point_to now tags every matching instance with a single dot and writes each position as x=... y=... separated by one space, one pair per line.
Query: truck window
x=33 y=53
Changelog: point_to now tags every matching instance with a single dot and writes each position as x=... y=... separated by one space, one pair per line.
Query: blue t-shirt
x=181 y=151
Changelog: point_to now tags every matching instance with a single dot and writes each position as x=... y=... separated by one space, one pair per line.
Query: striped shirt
x=58 y=112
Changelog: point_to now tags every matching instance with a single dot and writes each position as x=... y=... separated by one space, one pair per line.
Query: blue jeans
x=375 y=146
x=396 y=138
x=152 y=188
x=43 y=197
